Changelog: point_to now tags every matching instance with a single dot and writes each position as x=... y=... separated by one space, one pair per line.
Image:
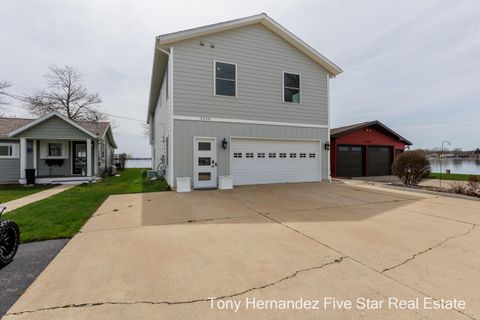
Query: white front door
x=204 y=162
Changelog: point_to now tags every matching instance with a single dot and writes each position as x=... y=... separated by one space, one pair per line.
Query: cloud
x=411 y=64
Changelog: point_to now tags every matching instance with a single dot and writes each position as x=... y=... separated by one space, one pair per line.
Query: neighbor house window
x=225 y=79
x=54 y=149
x=291 y=87
x=8 y=150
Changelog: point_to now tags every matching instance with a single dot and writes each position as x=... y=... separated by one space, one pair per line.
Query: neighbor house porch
x=62 y=161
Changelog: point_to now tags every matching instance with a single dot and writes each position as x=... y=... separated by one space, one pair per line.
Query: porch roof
x=10 y=125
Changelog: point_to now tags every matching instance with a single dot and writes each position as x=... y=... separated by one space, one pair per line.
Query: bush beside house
x=411 y=167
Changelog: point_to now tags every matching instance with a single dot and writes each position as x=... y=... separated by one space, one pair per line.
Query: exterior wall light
x=224 y=143
x=327 y=145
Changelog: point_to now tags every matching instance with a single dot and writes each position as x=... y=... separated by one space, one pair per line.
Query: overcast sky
x=414 y=65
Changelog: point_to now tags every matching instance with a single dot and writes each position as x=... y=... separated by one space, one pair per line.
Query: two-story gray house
x=243 y=98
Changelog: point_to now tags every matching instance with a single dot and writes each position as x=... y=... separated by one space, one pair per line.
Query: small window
x=204 y=176
x=293 y=155
x=342 y=148
x=312 y=155
x=6 y=150
x=260 y=155
x=357 y=149
x=54 y=149
x=291 y=87
x=303 y=155
x=204 y=146
x=204 y=161
x=272 y=155
x=282 y=155
x=249 y=155
x=237 y=154
x=225 y=79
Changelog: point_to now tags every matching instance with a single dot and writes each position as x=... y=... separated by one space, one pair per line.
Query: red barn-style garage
x=364 y=149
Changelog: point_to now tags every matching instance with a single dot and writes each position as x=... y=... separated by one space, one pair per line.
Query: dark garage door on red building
x=350 y=161
x=364 y=149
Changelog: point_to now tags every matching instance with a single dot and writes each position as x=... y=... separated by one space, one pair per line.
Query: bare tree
x=4 y=85
x=66 y=94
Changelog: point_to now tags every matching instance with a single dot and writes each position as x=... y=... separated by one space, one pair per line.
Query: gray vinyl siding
x=184 y=131
x=161 y=128
x=54 y=128
x=261 y=56
x=9 y=167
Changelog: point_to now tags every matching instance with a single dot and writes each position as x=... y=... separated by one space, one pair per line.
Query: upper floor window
x=291 y=87
x=225 y=79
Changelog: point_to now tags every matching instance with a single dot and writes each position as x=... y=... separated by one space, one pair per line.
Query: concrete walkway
x=20 y=202
x=446 y=184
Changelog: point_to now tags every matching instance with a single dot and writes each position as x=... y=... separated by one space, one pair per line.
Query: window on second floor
x=225 y=79
x=291 y=87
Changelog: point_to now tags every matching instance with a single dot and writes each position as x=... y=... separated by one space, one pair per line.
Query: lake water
x=139 y=163
x=467 y=166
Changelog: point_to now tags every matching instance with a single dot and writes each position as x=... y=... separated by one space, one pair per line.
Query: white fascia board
x=46 y=117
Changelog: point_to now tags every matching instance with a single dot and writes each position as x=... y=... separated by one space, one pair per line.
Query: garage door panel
x=350 y=161
x=379 y=160
x=293 y=161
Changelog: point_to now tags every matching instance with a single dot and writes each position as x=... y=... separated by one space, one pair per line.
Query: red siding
x=363 y=137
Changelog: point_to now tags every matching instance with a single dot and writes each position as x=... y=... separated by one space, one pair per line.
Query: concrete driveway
x=196 y=255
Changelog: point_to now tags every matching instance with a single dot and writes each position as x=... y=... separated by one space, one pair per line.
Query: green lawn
x=10 y=192
x=452 y=176
x=62 y=215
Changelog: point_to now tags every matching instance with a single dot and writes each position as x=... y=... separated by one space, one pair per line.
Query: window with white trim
x=54 y=149
x=225 y=79
x=291 y=87
x=8 y=150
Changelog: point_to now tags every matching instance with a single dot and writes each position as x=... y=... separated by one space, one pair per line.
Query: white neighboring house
x=59 y=149
x=245 y=98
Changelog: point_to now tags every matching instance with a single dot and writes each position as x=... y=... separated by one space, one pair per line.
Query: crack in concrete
x=95 y=304
x=112 y=211
x=345 y=256
x=430 y=248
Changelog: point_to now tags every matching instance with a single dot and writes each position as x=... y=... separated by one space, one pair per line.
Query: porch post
x=23 y=157
x=95 y=158
x=89 y=157
x=35 y=156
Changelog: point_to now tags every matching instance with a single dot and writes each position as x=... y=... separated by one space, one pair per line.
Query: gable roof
x=161 y=55
x=263 y=19
x=9 y=127
x=341 y=131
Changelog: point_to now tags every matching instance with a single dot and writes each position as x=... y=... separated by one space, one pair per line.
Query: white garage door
x=255 y=161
